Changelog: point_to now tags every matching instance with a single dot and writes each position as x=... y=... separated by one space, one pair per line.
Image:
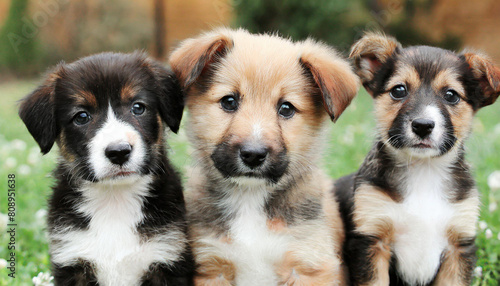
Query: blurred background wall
x=35 y=34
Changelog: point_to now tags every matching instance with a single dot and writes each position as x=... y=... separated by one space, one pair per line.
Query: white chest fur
x=255 y=250
x=111 y=242
x=421 y=221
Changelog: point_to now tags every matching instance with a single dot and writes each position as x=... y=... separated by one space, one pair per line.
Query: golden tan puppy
x=258 y=203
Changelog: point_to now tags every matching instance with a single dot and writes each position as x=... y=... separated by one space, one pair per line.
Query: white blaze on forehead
x=113 y=131
x=257 y=131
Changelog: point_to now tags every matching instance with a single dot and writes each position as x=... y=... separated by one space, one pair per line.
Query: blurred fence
x=37 y=33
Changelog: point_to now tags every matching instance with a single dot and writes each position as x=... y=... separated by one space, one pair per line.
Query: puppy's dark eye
x=229 y=103
x=399 y=92
x=286 y=109
x=138 y=108
x=81 y=118
x=451 y=96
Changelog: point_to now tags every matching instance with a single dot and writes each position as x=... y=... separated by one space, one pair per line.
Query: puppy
x=411 y=209
x=258 y=204
x=116 y=215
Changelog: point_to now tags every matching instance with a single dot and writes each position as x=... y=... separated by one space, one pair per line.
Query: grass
x=349 y=141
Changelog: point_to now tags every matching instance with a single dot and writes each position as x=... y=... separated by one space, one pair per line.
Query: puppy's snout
x=253 y=155
x=422 y=127
x=118 y=153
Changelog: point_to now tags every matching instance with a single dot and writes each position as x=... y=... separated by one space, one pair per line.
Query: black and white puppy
x=116 y=216
x=412 y=207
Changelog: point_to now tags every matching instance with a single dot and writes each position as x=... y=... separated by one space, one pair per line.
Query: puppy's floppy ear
x=171 y=97
x=194 y=55
x=38 y=114
x=488 y=76
x=370 y=53
x=334 y=76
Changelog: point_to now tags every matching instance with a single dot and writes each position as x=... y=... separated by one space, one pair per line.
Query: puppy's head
x=258 y=102
x=106 y=113
x=425 y=97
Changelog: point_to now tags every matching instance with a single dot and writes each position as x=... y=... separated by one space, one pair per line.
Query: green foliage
x=327 y=20
x=338 y=22
x=19 y=47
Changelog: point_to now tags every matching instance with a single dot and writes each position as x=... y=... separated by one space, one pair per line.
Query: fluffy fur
x=116 y=215
x=411 y=209
x=258 y=205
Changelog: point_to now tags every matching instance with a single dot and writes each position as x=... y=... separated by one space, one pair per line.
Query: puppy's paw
x=212 y=281
x=297 y=273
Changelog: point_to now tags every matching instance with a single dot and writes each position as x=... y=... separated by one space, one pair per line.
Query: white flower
x=10 y=162
x=483 y=225
x=18 y=144
x=494 y=181
x=43 y=279
x=488 y=233
x=496 y=130
x=478 y=271
x=33 y=158
x=24 y=169
x=35 y=149
x=3 y=263
x=493 y=206
x=498 y=236
x=40 y=215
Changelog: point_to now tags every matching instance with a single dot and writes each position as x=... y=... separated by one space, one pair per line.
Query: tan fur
x=128 y=92
x=63 y=148
x=450 y=272
x=404 y=74
x=370 y=51
x=462 y=227
x=198 y=53
x=85 y=98
x=487 y=73
x=372 y=213
x=448 y=79
x=294 y=271
x=266 y=70
x=276 y=224
x=464 y=223
x=461 y=117
x=386 y=110
x=334 y=77
x=381 y=258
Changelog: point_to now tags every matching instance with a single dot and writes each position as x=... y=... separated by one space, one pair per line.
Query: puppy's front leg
x=303 y=271
x=178 y=274
x=212 y=270
x=369 y=260
x=79 y=275
x=457 y=265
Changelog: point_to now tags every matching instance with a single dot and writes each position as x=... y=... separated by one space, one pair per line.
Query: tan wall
x=477 y=22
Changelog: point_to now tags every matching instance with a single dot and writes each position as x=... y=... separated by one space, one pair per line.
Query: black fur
x=225 y=158
x=48 y=114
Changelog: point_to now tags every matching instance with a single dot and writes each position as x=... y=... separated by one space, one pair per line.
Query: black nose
x=253 y=155
x=422 y=127
x=118 y=153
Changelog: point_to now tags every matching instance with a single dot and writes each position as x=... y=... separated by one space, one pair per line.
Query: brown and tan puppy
x=411 y=209
x=258 y=203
